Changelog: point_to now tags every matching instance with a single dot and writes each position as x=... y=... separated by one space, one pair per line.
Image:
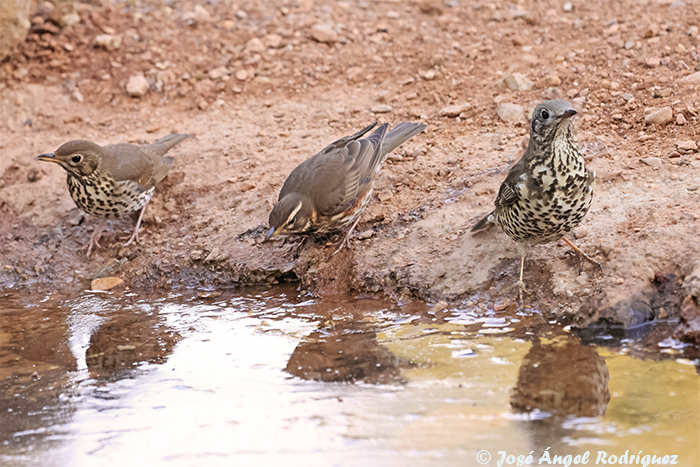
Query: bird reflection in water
x=346 y=352
x=562 y=378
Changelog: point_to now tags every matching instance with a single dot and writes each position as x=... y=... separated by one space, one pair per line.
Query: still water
x=273 y=378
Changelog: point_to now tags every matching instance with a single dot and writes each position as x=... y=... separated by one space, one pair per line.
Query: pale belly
x=108 y=202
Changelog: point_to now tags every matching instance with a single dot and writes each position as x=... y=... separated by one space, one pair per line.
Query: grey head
x=79 y=157
x=292 y=214
x=547 y=118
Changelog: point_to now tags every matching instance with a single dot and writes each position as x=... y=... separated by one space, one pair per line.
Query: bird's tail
x=164 y=144
x=345 y=140
x=399 y=134
x=483 y=223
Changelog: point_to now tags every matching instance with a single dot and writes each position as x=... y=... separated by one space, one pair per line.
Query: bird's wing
x=134 y=164
x=509 y=192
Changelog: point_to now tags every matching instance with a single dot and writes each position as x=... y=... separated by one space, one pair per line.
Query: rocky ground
x=264 y=85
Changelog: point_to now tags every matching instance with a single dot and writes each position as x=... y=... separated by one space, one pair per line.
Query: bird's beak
x=271 y=233
x=568 y=113
x=48 y=157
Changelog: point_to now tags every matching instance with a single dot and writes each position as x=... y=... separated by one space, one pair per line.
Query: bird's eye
x=545 y=114
x=76 y=159
x=293 y=220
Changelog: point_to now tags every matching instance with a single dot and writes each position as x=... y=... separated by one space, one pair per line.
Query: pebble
x=652 y=161
x=652 y=31
x=367 y=234
x=693 y=31
x=551 y=81
x=272 y=41
x=137 y=86
x=324 y=33
x=218 y=72
x=510 y=112
x=517 y=82
x=453 y=110
x=241 y=75
x=665 y=92
x=652 y=62
x=105 y=283
x=659 y=116
x=568 y=6
x=69 y=19
x=687 y=146
x=240 y=14
x=553 y=93
x=255 y=45
x=680 y=119
x=692 y=78
x=427 y=75
x=247 y=186
x=108 y=41
x=380 y=109
x=385 y=195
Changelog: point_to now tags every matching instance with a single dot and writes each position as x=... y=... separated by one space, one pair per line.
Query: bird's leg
x=581 y=253
x=135 y=235
x=95 y=237
x=346 y=240
x=521 y=284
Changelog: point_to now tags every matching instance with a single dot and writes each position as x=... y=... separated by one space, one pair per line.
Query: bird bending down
x=549 y=190
x=329 y=191
x=114 y=180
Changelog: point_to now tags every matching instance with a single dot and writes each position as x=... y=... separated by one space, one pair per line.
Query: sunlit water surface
x=276 y=379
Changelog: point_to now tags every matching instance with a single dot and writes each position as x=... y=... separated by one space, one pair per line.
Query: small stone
x=247 y=186
x=510 y=112
x=218 y=72
x=108 y=41
x=692 y=78
x=517 y=82
x=105 y=283
x=568 y=6
x=692 y=31
x=680 y=48
x=687 y=146
x=551 y=81
x=665 y=92
x=255 y=45
x=240 y=14
x=77 y=95
x=427 y=75
x=380 y=109
x=241 y=75
x=580 y=232
x=324 y=33
x=680 y=119
x=616 y=116
x=453 y=110
x=69 y=19
x=272 y=41
x=553 y=93
x=137 y=86
x=652 y=161
x=629 y=45
x=659 y=116
x=367 y=234
x=652 y=62
x=652 y=31
x=627 y=97
x=385 y=195
x=228 y=24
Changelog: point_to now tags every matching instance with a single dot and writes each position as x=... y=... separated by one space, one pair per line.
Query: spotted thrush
x=114 y=180
x=329 y=191
x=549 y=190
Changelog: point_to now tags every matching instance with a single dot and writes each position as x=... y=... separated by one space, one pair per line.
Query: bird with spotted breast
x=330 y=190
x=549 y=190
x=114 y=180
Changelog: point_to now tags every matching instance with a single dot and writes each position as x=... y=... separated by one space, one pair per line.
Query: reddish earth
x=261 y=94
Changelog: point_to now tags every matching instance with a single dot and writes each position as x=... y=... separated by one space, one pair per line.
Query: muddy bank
x=206 y=221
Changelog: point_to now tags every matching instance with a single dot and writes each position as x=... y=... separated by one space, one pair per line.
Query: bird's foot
x=344 y=244
x=133 y=238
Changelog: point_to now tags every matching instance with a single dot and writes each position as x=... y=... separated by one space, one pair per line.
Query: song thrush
x=549 y=190
x=114 y=180
x=330 y=190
